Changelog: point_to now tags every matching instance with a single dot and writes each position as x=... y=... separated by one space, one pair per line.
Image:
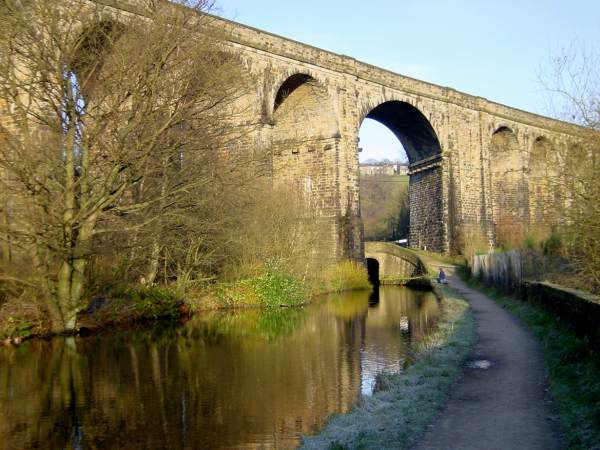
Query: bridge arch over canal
x=388 y=263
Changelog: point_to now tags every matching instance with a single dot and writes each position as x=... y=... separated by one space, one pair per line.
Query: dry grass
x=343 y=276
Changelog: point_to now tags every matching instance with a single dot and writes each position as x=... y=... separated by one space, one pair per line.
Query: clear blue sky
x=481 y=47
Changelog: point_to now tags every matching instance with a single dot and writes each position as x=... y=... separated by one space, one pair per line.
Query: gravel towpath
x=501 y=401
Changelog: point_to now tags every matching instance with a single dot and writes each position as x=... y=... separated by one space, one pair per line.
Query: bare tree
x=114 y=129
x=572 y=78
x=573 y=82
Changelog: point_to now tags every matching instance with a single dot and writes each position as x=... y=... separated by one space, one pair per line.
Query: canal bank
x=502 y=400
x=122 y=305
x=406 y=401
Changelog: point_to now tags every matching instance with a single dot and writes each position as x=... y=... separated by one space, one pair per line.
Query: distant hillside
x=384 y=206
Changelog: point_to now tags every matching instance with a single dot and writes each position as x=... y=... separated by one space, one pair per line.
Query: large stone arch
x=305 y=142
x=509 y=192
x=576 y=165
x=304 y=135
x=303 y=105
x=422 y=145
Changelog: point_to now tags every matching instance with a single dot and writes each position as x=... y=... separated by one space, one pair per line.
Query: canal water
x=252 y=379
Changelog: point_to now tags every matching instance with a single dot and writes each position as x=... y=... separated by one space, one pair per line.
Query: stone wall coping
x=587 y=296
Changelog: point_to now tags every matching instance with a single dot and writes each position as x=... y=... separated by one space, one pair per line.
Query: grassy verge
x=343 y=276
x=574 y=372
x=396 y=415
x=273 y=286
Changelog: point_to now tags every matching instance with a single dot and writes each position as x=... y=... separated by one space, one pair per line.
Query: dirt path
x=505 y=406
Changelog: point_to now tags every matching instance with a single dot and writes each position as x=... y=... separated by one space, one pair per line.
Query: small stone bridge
x=390 y=264
x=475 y=165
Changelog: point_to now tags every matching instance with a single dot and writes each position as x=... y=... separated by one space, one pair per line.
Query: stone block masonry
x=310 y=104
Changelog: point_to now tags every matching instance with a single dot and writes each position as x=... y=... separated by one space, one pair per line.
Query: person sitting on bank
x=442 y=277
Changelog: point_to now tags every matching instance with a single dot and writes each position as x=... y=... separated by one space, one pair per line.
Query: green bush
x=531 y=241
x=277 y=288
x=553 y=246
x=274 y=287
x=152 y=302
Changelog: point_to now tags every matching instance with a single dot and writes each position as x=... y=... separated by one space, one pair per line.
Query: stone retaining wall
x=508 y=272
x=578 y=310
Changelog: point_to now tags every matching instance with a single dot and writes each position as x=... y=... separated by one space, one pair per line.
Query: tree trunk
x=156 y=247
x=5 y=250
x=154 y=260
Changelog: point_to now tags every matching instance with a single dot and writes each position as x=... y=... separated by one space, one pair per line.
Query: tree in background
x=384 y=206
x=116 y=138
x=573 y=81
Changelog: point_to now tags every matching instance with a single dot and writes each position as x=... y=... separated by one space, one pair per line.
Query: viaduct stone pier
x=476 y=167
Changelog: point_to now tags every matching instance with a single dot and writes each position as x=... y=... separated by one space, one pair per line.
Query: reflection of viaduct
x=474 y=164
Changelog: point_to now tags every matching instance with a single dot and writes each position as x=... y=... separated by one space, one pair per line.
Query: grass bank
x=272 y=286
x=395 y=416
x=121 y=306
x=574 y=371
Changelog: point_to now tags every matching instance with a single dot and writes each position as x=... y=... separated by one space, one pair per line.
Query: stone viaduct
x=475 y=165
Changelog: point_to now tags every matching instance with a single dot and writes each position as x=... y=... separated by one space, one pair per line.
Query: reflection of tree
x=35 y=389
x=222 y=381
x=348 y=305
x=269 y=324
x=169 y=389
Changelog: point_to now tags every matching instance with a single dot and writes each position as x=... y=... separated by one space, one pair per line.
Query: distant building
x=402 y=169
x=385 y=169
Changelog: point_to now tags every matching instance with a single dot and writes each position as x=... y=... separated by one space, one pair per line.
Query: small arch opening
x=373 y=270
x=289 y=86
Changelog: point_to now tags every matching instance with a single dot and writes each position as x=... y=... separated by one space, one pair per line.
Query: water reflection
x=244 y=379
